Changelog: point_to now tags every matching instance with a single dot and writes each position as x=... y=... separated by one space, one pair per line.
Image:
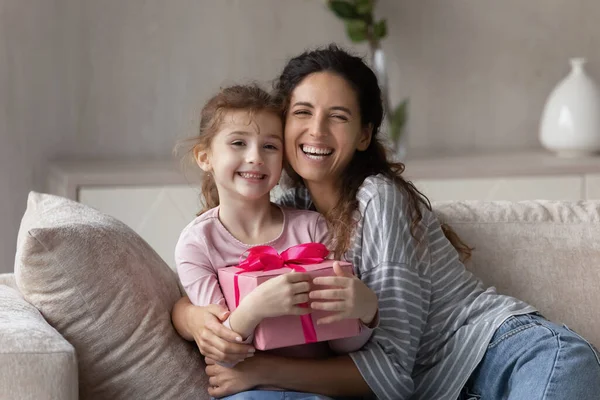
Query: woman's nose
x=319 y=127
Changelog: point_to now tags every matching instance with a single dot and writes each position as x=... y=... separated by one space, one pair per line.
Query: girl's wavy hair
x=373 y=160
x=251 y=98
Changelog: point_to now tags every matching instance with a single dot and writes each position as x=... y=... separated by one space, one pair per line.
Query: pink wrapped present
x=264 y=263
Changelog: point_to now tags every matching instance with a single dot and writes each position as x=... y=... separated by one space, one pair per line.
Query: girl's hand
x=284 y=295
x=214 y=340
x=349 y=296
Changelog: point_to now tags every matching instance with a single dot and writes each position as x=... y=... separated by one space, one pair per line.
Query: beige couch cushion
x=546 y=253
x=110 y=295
x=8 y=280
x=36 y=362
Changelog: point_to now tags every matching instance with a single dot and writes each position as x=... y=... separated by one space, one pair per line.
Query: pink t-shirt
x=205 y=245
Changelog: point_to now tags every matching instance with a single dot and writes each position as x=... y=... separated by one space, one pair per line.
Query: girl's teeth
x=250 y=176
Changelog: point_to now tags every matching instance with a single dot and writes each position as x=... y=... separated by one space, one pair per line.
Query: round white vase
x=570 y=124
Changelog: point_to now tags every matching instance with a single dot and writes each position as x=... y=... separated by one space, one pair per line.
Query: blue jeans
x=275 y=395
x=530 y=358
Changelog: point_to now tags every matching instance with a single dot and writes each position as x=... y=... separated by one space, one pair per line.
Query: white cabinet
x=156 y=213
x=570 y=187
x=157 y=201
x=592 y=186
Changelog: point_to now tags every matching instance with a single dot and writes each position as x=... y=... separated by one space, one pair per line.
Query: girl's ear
x=365 y=138
x=202 y=158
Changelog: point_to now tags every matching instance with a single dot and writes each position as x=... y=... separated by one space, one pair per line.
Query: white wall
x=114 y=78
x=124 y=78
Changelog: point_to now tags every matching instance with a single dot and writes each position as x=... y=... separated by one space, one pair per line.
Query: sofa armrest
x=36 y=362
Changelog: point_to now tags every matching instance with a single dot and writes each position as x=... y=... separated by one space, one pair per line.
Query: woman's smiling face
x=323 y=128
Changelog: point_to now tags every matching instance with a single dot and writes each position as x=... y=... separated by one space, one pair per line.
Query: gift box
x=264 y=263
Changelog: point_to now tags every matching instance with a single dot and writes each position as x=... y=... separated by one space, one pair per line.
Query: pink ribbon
x=266 y=258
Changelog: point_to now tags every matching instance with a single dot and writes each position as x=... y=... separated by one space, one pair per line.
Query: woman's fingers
x=328 y=294
x=223 y=332
x=331 y=318
x=213 y=344
x=328 y=305
x=338 y=281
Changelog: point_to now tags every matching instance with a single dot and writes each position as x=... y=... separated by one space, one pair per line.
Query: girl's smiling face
x=245 y=155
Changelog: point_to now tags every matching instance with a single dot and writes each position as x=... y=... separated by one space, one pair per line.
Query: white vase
x=570 y=124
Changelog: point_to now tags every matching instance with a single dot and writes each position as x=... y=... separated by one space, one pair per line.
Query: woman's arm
x=204 y=326
x=336 y=376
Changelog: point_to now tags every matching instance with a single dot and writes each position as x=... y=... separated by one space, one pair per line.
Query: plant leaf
x=343 y=9
x=356 y=30
x=364 y=7
x=398 y=120
x=380 y=29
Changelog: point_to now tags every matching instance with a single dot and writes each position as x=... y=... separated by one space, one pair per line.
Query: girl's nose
x=254 y=156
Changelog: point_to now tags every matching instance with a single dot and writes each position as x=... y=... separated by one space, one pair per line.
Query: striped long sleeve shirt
x=436 y=318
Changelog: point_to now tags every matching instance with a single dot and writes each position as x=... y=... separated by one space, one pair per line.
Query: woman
x=441 y=334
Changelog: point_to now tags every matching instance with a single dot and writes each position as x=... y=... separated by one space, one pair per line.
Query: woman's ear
x=202 y=158
x=365 y=138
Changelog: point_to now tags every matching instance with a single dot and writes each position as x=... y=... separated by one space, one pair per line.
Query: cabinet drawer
x=592 y=187
x=568 y=187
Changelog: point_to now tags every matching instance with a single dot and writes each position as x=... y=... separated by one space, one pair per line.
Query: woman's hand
x=349 y=296
x=225 y=381
x=214 y=340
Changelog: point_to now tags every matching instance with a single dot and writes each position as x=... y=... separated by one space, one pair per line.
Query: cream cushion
x=544 y=252
x=30 y=349
x=110 y=295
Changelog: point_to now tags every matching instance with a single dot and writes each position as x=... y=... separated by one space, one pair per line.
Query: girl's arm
x=203 y=316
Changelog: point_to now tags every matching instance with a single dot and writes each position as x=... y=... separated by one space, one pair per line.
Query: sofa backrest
x=544 y=252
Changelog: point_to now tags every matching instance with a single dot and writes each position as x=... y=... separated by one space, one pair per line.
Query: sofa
x=546 y=253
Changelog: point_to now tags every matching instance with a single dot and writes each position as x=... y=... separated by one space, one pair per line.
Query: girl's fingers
x=328 y=294
x=328 y=305
x=300 y=298
x=338 y=281
x=300 y=287
x=298 y=310
x=294 y=277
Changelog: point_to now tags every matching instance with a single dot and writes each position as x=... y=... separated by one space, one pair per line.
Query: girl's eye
x=301 y=112
x=270 y=147
x=340 y=117
x=238 y=143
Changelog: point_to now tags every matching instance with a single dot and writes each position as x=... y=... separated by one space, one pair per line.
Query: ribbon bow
x=266 y=258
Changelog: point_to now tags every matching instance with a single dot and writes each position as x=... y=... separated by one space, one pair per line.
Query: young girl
x=240 y=150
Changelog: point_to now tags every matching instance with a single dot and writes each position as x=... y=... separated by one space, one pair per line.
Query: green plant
x=361 y=25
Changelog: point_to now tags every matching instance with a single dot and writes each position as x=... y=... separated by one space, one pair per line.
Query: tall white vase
x=570 y=124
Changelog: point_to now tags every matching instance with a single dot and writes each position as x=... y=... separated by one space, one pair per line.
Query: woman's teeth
x=316 y=153
x=249 y=175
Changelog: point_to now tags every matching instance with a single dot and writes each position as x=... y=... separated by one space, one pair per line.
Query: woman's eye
x=301 y=112
x=238 y=143
x=270 y=147
x=340 y=117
